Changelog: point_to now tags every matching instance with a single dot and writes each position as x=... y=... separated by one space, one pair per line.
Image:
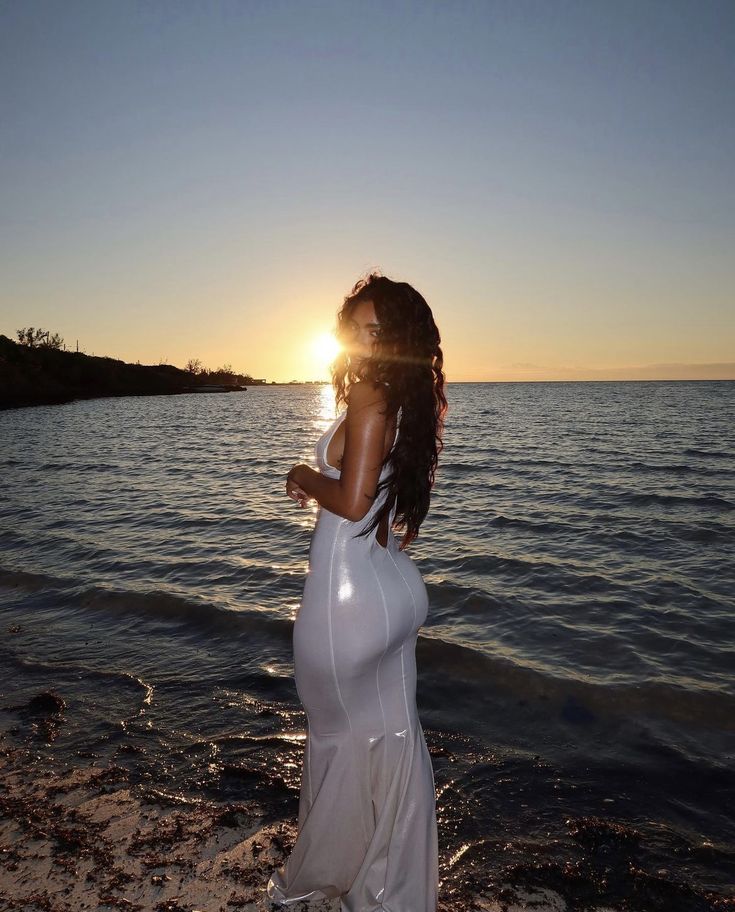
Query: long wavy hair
x=408 y=358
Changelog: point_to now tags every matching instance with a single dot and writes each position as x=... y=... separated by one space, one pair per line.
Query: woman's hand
x=293 y=488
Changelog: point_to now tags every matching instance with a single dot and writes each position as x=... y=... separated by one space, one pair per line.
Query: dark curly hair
x=407 y=357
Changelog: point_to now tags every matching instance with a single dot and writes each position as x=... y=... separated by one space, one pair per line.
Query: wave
x=708 y=454
x=450 y=666
x=152 y=604
x=710 y=501
x=451 y=669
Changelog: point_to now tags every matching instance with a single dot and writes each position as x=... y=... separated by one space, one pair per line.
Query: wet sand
x=84 y=837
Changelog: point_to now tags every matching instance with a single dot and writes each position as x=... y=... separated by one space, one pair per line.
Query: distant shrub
x=38 y=338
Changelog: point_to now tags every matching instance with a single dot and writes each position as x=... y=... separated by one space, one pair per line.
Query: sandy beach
x=82 y=837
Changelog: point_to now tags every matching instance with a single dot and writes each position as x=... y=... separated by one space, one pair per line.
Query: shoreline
x=104 y=804
x=78 y=397
x=82 y=836
x=32 y=375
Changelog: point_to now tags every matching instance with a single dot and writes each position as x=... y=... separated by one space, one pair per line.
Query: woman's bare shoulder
x=366 y=393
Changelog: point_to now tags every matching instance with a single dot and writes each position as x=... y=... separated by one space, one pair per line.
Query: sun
x=325 y=347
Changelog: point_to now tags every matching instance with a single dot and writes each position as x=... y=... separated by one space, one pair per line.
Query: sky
x=208 y=180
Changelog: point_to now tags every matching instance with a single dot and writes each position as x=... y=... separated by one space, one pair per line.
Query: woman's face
x=362 y=331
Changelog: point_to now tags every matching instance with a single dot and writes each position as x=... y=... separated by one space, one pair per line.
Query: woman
x=367 y=809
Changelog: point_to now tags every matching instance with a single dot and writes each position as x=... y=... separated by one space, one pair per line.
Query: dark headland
x=40 y=375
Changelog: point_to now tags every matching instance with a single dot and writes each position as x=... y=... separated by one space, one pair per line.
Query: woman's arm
x=351 y=495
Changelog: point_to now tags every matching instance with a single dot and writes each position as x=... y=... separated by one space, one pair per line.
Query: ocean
x=575 y=671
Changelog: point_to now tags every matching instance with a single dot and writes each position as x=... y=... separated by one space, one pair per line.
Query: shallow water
x=575 y=680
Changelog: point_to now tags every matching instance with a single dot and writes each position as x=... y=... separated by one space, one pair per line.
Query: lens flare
x=325 y=347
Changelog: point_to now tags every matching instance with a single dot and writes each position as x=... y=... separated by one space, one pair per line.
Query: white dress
x=367 y=809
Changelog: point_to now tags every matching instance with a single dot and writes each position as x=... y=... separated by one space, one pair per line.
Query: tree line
x=33 y=337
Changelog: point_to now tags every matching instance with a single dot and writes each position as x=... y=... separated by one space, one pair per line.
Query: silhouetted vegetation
x=38 y=338
x=35 y=371
x=221 y=375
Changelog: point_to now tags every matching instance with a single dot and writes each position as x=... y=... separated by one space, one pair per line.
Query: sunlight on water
x=327 y=410
x=319 y=414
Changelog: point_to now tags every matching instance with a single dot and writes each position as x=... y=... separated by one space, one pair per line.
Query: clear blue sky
x=208 y=180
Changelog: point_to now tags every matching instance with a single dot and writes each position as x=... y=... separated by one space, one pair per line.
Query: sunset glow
x=325 y=347
x=556 y=183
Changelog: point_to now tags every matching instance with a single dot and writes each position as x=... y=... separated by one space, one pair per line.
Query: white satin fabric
x=367 y=828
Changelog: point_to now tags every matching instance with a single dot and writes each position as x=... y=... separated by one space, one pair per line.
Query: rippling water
x=576 y=664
